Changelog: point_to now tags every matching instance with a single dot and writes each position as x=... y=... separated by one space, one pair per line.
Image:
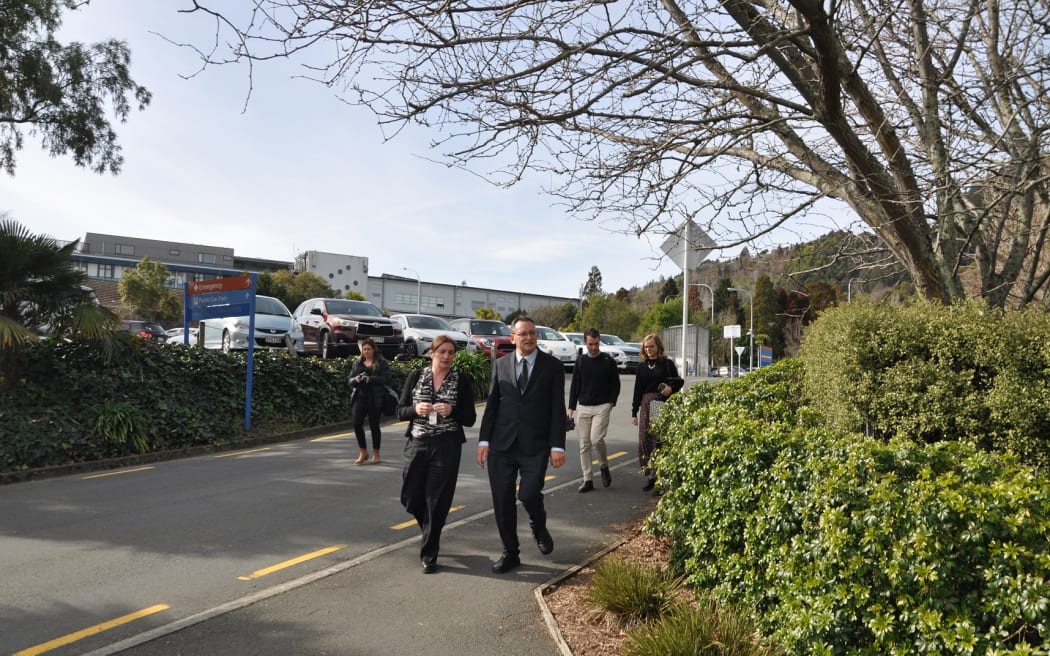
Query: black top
x=649 y=375
x=595 y=381
x=379 y=378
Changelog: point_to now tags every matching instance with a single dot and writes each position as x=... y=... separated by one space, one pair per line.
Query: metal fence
x=697 y=348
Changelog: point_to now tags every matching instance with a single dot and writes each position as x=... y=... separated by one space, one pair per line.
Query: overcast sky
x=299 y=170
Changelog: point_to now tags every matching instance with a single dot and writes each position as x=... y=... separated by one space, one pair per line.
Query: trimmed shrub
x=72 y=403
x=929 y=373
x=843 y=544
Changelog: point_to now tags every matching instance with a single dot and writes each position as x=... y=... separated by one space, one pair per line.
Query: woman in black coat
x=369 y=379
x=438 y=402
x=655 y=379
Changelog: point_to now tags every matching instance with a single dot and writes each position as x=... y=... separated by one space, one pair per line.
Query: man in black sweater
x=592 y=395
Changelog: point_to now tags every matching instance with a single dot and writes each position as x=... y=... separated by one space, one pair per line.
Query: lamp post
x=708 y=288
x=849 y=290
x=751 y=325
x=419 y=290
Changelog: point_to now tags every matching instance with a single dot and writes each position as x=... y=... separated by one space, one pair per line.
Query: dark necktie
x=523 y=377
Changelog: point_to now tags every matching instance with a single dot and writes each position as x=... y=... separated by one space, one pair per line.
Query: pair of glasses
x=528 y=334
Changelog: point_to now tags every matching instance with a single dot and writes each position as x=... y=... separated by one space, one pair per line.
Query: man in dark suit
x=523 y=426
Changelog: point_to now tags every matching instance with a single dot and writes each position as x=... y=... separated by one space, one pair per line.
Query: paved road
x=290 y=549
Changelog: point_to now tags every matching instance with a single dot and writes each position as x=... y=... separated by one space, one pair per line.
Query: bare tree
x=928 y=122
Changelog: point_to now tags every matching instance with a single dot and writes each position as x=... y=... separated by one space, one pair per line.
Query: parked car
x=332 y=326
x=176 y=335
x=633 y=354
x=617 y=354
x=150 y=330
x=552 y=342
x=274 y=329
x=488 y=334
x=421 y=329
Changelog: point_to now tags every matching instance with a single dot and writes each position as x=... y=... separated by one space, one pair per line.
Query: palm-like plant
x=41 y=292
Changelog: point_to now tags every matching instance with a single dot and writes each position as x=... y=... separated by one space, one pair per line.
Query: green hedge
x=62 y=402
x=844 y=544
x=930 y=373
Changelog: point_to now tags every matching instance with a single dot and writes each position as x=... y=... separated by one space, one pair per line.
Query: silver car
x=274 y=329
x=421 y=329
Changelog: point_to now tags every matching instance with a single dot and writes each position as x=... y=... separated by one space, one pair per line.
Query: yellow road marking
x=116 y=473
x=90 y=631
x=289 y=563
x=412 y=522
x=241 y=453
x=612 y=456
x=331 y=437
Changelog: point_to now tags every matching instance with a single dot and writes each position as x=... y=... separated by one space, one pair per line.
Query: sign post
x=691 y=245
x=226 y=297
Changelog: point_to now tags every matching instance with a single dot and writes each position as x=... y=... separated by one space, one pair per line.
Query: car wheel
x=324 y=348
x=226 y=342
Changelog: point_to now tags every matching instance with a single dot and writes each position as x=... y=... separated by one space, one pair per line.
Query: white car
x=176 y=336
x=633 y=355
x=274 y=329
x=552 y=342
x=421 y=329
x=617 y=354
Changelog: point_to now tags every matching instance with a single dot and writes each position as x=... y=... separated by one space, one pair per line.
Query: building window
x=123 y=249
x=227 y=258
x=105 y=271
x=173 y=251
x=206 y=258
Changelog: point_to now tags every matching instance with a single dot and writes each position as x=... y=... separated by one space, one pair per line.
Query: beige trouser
x=592 y=423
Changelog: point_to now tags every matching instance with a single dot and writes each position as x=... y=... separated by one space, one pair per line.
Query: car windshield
x=353 y=307
x=547 y=334
x=489 y=328
x=267 y=305
x=427 y=323
x=612 y=340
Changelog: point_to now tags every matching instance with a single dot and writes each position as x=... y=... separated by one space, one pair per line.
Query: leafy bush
x=929 y=372
x=71 y=402
x=843 y=544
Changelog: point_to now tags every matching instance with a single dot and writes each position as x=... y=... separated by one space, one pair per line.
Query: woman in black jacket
x=438 y=402
x=369 y=379
x=655 y=379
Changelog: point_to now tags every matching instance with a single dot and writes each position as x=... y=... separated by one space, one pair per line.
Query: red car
x=332 y=326
x=488 y=334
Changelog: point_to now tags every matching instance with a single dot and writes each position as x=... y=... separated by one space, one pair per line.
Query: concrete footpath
x=381 y=604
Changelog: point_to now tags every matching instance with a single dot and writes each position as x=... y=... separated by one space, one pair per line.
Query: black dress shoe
x=506 y=563
x=650 y=483
x=544 y=540
x=430 y=566
x=586 y=486
x=606 y=477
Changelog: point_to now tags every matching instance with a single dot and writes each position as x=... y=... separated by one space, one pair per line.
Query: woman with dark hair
x=655 y=379
x=369 y=378
x=438 y=402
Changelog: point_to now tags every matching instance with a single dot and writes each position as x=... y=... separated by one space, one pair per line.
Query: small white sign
x=739 y=350
x=731 y=332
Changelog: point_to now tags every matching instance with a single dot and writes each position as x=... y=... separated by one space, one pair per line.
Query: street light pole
x=849 y=290
x=751 y=325
x=419 y=290
x=708 y=288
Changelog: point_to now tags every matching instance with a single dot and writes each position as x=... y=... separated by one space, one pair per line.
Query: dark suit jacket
x=535 y=420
